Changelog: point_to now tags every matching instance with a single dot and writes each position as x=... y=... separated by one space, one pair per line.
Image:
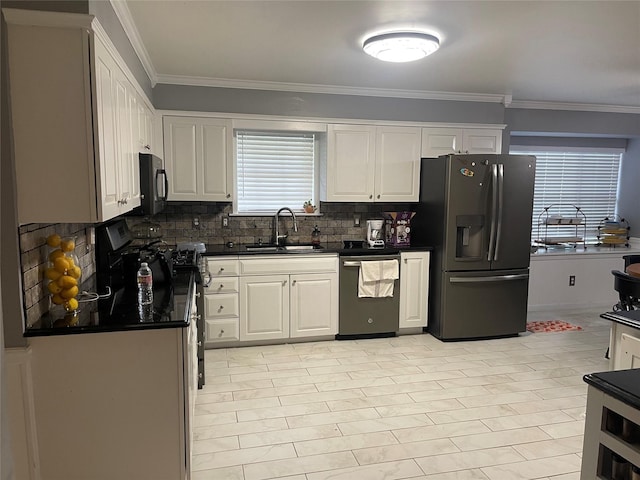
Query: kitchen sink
x=286 y=248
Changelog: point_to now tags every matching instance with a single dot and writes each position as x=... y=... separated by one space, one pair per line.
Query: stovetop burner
x=185 y=258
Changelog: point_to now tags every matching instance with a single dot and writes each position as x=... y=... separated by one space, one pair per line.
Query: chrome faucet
x=276 y=231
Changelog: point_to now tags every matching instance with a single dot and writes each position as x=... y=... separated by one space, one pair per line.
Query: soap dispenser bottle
x=315 y=236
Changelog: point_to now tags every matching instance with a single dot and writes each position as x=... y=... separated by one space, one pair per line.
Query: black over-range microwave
x=153 y=185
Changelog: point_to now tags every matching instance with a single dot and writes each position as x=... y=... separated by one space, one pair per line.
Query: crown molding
x=582 y=107
x=126 y=20
x=328 y=89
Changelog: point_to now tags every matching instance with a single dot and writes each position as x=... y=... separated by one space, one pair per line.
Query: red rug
x=551 y=326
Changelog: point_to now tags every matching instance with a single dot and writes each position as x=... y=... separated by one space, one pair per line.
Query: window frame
x=591 y=230
x=319 y=132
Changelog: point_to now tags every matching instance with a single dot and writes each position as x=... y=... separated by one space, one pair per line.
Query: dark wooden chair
x=629 y=259
x=628 y=289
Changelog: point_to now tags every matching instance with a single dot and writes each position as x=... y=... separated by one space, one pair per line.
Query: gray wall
x=629 y=188
x=569 y=123
x=263 y=102
x=107 y=17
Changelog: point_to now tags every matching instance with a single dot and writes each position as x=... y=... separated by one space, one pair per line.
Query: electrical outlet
x=356 y=220
x=196 y=222
x=572 y=280
x=225 y=222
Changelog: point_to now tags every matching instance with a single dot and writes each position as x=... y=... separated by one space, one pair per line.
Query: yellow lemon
x=69 y=292
x=61 y=264
x=70 y=261
x=56 y=254
x=75 y=272
x=67 y=245
x=71 y=305
x=54 y=288
x=67 y=281
x=57 y=299
x=53 y=240
x=52 y=274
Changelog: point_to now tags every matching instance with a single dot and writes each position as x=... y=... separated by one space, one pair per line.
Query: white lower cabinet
x=221 y=301
x=271 y=297
x=414 y=289
x=313 y=300
x=264 y=307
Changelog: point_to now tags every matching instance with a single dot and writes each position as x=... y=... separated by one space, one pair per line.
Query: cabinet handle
x=294 y=282
x=221 y=307
x=221 y=287
x=228 y=195
x=370 y=197
x=221 y=269
x=147 y=147
x=284 y=282
x=405 y=260
x=378 y=196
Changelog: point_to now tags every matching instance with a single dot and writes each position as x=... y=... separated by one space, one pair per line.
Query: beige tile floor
x=405 y=407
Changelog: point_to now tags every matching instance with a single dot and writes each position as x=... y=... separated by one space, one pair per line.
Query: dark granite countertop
x=621 y=384
x=630 y=318
x=119 y=312
x=332 y=248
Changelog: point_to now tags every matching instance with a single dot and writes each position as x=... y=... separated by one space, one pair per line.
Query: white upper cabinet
x=442 y=141
x=372 y=163
x=397 y=164
x=71 y=117
x=198 y=158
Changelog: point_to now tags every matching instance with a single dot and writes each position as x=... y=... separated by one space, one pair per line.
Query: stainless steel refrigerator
x=475 y=211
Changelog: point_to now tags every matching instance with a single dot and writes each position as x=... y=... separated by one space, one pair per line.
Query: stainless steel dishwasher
x=365 y=317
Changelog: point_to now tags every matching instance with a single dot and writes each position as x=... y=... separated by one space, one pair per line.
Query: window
x=274 y=170
x=587 y=178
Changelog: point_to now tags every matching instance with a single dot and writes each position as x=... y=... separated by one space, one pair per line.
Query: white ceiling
x=527 y=52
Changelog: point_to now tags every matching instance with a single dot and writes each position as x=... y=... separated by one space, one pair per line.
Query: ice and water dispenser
x=469 y=236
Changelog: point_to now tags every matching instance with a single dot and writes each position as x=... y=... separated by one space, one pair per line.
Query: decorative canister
x=63 y=272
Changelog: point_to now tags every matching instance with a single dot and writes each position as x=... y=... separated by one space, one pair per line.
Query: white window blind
x=274 y=170
x=567 y=177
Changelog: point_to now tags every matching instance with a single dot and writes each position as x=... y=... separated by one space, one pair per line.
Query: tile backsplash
x=34 y=253
x=335 y=222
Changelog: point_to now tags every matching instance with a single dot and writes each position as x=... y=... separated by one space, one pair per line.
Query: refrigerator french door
x=475 y=210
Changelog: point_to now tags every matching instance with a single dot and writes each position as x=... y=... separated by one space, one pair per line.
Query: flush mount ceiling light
x=401 y=46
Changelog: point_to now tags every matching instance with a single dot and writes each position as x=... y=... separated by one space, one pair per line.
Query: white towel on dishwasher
x=376 y=278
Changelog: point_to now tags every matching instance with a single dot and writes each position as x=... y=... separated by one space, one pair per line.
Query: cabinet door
x=441 y=141
x=106 y=111
x=180 y=158
x=314 y=305
x=214 y=144
x=482 y=140
x=414 y=289
x=397 y=171
x=197 y=158
x=350 y=163
x=264 y=307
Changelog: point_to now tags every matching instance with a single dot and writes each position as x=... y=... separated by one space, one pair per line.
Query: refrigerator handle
x=500 y=209
x=495 y=278
x=494 y=207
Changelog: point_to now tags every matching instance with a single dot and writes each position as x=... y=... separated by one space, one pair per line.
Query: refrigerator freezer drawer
x=481 y=304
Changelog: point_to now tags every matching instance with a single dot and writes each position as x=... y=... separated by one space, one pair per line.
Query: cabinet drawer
x=221 y=305
x=221 y=330
x=223 y=266
x=222 y=285
x=284 y=264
